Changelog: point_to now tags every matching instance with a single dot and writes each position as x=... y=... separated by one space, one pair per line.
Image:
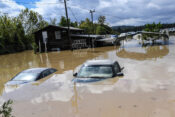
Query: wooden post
x=39 y=46
x=92 y=11
x=68 y=25
x=45 y=44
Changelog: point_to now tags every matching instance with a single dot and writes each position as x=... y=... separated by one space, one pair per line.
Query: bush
x=6 y=110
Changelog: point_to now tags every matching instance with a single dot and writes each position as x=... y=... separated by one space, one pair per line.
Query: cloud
x=76 y=9
x=104 y=4
x=49 y=9
x=138 y=12
x=117 y=12
x=10 y=7
x=152 y=5
x=129 y=21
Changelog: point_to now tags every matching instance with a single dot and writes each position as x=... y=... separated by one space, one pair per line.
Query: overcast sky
x=117 y=12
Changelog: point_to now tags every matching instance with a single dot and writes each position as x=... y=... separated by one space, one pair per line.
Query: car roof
x=35 y=70
x=99 y=62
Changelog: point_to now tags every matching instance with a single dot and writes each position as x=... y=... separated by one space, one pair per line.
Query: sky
x=117 y=12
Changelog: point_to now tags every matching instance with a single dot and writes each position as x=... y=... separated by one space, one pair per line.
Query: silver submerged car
x=96 y=70
x=31 y=75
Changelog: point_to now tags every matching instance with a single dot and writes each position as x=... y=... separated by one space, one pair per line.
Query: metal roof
x=60 y=27
x=99 y=62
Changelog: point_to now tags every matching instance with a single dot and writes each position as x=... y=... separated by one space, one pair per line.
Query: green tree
x=16 y=33
x=63 y=21
x=53 y=21
x=13 y=41
x=101 y=20
x=101 y=27
x=6 y=109
x=108 y=29
x=100 y=30
x=31 y=21
x=87 y=26
x=153 y=27
x=74 y=24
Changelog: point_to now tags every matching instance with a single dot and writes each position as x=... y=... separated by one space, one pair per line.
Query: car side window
x=45 y=73
x=52 y=71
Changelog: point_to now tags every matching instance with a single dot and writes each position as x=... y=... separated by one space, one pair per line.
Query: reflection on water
x=151 y=52
x=75 y=99
x=63 y=61
x=147 y=87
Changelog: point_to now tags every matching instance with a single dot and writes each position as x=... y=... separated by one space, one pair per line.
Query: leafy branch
x=6 y=109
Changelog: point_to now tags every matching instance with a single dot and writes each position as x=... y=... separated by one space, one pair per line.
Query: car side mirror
x=122 y=68
x=120 y=74
x=75 y=74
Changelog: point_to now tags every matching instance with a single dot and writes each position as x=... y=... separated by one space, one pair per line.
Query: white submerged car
x=96 y=70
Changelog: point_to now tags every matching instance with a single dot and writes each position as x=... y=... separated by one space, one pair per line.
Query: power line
x=59 y=2
x=73 y=14
x=106 y=14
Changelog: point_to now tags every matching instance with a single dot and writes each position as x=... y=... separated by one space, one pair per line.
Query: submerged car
x=96 y=70
x=30 y=75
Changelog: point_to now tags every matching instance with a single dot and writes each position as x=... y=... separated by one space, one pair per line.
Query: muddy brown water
x=145 y=90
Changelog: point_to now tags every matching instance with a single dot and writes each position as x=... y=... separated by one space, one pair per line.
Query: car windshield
x=95 y=71
x=25 y=77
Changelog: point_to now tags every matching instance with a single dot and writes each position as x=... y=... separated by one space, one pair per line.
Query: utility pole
x=68 y=25
x=91 y=12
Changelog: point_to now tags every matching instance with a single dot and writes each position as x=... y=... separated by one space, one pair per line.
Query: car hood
x=87 y=80
x=16 y=82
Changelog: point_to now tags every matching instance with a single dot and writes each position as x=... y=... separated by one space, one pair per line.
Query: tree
x=74 y=24
x=153 y=27
x=101 y=27
x=53 y=21
x=87 y=26
x=100 y=30
x=6 y=110
x=63 y=21
x=31 y=21
x=13 y=41
x=108 y=30
x=16 y=33
x=159 y=26
x=101 y=20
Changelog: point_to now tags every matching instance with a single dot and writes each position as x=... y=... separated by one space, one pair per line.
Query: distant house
x=54 y=37
x=57 y=37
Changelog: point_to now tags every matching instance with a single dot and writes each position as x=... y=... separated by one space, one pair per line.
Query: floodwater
x=145 y=90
